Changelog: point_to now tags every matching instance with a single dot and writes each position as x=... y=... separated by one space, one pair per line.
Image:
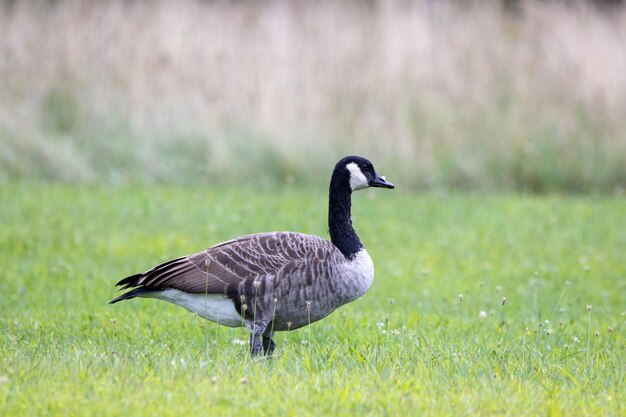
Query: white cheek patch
x=358 y=181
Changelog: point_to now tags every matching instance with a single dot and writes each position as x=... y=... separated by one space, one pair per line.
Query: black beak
x=381 y=182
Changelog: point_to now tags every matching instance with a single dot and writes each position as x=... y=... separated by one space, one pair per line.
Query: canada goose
x=272 y=281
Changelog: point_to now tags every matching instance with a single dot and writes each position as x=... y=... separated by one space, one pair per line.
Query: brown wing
x=222 y=268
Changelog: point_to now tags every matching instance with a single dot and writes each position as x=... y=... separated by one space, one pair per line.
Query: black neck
x=342 y=235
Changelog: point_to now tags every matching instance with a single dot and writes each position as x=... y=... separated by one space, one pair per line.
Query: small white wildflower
x=589 y=306
x=482 y=314
x=575 y=339
x=460 y=297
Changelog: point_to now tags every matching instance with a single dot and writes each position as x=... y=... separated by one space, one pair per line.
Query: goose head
x=360 y=173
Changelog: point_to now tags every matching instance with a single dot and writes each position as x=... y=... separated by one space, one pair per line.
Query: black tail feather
x=137 y=279
x=131 y=281
x=136 y=292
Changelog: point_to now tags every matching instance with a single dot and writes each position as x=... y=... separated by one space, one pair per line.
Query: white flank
x=214 y=307
x=358 y=181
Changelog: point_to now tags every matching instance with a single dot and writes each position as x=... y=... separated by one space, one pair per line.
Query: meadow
x=508 y=305
x=135 y=132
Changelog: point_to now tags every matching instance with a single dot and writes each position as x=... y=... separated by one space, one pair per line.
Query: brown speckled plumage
x=291 y=268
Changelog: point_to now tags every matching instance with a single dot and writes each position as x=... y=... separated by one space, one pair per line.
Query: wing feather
x=223 y=268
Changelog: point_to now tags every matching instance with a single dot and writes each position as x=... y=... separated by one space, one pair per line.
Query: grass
x=455 y=94
x=479 y=307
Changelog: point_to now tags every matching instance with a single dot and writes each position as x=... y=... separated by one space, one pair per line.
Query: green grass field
x=432 y=337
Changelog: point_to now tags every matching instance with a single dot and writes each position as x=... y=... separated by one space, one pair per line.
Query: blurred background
x=455 y=95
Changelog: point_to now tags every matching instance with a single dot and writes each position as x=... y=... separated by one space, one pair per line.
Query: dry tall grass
x=451 y=94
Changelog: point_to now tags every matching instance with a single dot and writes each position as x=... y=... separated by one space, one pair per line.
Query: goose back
x=289 y=278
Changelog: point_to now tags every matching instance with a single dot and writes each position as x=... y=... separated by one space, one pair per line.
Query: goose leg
x=268 y=344
x=256 y=331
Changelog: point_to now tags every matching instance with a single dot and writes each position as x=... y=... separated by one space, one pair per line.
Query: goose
x=274 y=281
